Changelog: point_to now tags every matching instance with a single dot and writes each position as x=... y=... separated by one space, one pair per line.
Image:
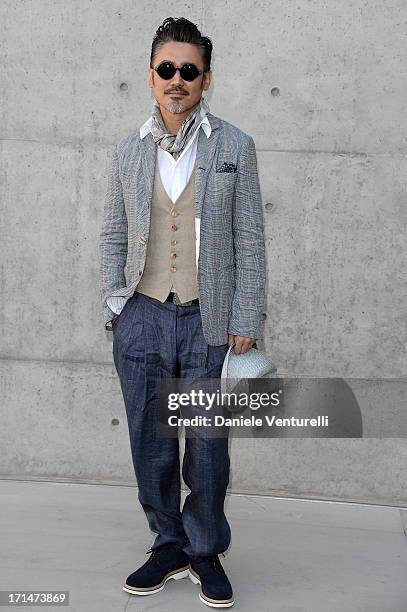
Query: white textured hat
x=252 y=364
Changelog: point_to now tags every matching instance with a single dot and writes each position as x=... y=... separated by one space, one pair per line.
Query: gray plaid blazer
x=231 y=271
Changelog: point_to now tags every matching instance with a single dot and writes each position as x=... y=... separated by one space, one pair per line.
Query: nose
x=177 y=80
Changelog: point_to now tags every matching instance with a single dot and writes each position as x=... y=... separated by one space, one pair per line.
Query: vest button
x=173 y=242
x=174 y=228
x=173 y=255
x=174 y=213
x=173 y=269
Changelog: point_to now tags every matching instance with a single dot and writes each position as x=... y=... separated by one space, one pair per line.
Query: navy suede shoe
x=167 y=561
x=216 y=590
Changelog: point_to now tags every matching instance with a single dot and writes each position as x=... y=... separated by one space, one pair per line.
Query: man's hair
x=181 y=30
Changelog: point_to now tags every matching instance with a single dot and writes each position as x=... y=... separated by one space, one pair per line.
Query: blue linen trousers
x=152 y=340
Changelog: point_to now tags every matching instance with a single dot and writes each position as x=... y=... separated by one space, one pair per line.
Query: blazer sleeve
x=113 y=238
x=249 y=247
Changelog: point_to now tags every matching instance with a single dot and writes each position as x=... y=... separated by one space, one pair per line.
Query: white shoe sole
x=177 y=575
x=209 y=602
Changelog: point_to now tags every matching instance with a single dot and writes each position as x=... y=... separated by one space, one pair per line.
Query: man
x=182 y=277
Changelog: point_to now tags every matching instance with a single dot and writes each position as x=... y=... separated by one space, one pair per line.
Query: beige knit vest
x=170 y=256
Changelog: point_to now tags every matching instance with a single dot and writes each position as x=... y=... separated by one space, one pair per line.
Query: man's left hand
x=242 y=343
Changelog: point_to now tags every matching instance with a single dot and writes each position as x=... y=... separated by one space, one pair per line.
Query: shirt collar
x=146 y=127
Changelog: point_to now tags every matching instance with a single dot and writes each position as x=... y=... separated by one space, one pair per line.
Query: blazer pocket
x=225 y=180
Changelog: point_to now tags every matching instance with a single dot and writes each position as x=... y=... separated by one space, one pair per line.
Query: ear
x=207 y=78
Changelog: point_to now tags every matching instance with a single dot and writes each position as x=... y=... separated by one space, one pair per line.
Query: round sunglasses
x=188 y=72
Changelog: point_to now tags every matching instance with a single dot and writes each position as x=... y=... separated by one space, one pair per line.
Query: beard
x=176 y=107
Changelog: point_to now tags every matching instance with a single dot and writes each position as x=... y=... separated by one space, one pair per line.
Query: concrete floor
x=287 y=555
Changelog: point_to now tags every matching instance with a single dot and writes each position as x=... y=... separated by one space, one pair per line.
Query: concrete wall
x=321 y=88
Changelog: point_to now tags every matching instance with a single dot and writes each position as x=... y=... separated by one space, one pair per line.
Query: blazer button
x=173 y=269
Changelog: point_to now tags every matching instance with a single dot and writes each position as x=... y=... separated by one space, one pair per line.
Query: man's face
x=178 y=53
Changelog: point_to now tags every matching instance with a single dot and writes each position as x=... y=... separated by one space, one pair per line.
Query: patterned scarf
x=175 y=143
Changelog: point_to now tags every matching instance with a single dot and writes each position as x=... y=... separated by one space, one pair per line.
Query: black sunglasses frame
x=199 y=71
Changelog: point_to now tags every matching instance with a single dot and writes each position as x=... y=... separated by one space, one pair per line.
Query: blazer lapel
x=148 y=157
x=206 y=148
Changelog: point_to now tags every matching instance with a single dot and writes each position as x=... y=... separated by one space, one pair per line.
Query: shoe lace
x=153 y=556
x=155 y=553
x=212 y=562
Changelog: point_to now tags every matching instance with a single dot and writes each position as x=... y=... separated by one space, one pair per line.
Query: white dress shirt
x=175 y=174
